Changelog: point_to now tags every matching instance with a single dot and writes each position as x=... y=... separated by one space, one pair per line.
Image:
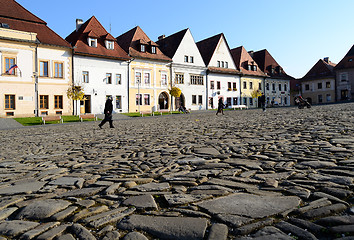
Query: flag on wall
x=11 y=69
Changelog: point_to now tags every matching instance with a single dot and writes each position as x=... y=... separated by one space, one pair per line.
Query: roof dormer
x=109 y=41
x=92 y=39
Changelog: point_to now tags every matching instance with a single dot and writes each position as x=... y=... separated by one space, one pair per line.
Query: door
x=163 y=100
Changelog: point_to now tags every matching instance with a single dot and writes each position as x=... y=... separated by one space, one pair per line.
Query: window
x=200 y=99
x=43 y=68
x=109 y=44
x=244 y=101
x=163 y=79
x=254 y=68
x=267 y=86
x=285 y=100
x=249 y=67
x=212 y=85
x=244 y=85
x=119 y=102
x=228 y=101
x=58 y=70
x=10 y=102
x=218 y=64
x=137 y=77
x=319 y=98
x=194 y=99
x=279 y=87
x=344 y=77
x=191 y=59
x=307 y=87
x=229 y=86
x=108 y=78
x=218 y=85
x=9 y=62
x=146 y=99
x=179 y=78
x=85 y=76
x=43 y=102
x=222 y=64
x=285 y=87
x=153 y=49
x=319 y=85
x=147 y=78
x=273 y=86
x=328 y=84
x=58 y=102
x=251 y=85
x=118 y=79
x=328 y=97
x=139 y=100
x=197 y=80
x=226 y=65
x=234 y=102
x=251 y=101
x=92 y=42
x=185 y=58
x=142 y=48
x=234 y=86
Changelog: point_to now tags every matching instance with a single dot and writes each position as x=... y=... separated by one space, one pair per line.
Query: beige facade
x=319 y=91
x=250 y=84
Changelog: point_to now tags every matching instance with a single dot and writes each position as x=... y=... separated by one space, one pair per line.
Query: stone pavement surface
x=8 y=123
x=282 y=174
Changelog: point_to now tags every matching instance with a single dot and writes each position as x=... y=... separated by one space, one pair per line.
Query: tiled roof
x=131 y=40
x=347 y=61
x=93 y=28
x=18 y=18
x=242 y=58
x=170 y=44
x=321 y=69
x=266 y=63
x=208 y=46
x=223 y=70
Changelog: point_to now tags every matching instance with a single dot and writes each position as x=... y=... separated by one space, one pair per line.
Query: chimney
x=79 y=22
x=251 y=53
x=326 y=59
x=161 y=37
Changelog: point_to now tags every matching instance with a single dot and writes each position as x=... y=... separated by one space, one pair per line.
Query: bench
x=88 y=116
x=51 y=118
x=164 y=111
x=239 y=107
x=146 y=112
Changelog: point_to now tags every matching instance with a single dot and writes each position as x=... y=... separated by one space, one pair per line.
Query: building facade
x=345 y=77
x=223 y=78
x=149 y=72
x=100 y=68
x=35 y=65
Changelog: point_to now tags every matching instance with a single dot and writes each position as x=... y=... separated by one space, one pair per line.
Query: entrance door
x=343 y=94
x=85 y=104
x=180 y=101
x=163 y=100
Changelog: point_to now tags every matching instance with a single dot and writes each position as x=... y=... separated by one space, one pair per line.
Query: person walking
x=262 y=101
x=220 y=107
x=108 y=108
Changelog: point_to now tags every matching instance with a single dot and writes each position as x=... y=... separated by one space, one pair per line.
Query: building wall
x=280 y=95
x=246 y=93
x=98 y=87
x=310 y=90
x=345 y=85
x=156 y=69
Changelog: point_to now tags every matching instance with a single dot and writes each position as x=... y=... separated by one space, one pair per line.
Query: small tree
x=75 y=93
x=256 y=93
x=175 y=92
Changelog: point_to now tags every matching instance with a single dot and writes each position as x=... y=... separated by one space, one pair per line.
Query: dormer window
x=254 y=68
x=153 y=49
x=109 y=44
x=249 y=67
x=92 y=42
x=142 y=48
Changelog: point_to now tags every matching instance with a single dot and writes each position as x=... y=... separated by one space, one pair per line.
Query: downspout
x=72 y=77
x=206 y=91
x=36 y=111
x=171 y=87
x=128 y=79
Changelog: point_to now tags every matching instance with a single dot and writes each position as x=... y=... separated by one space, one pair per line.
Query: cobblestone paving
x=283 y=174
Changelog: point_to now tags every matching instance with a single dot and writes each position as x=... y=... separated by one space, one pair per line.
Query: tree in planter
x=175 y=92
x=76 y=94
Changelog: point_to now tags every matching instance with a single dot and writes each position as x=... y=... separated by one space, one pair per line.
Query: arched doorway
x=180 y=101
x=163 y=100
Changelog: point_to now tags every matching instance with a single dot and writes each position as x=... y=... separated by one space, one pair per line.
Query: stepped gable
x=266 y=63
x=322 y=69
x=131 y=41
x=170 y=44
x=347 y=61
x=242 y=58
x=19 y=18
x=93 y=28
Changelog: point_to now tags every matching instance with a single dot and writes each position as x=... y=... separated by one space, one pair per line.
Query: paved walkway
x=9 y=123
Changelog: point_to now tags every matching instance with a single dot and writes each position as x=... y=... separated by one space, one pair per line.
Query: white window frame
x=118 y=79
x=136 y=80
x=164 y=80
x=146 y=96
x=92 y=40
x=109 y=44
x=147 y=73
x=85 y=77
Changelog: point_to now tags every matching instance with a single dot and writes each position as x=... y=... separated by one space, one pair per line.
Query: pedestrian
x=262 y=101
x=108 y=108
x=220 y=107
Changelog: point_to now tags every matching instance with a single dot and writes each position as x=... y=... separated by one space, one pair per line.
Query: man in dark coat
x=220 y=107
x=108 y=109
x=262 y=101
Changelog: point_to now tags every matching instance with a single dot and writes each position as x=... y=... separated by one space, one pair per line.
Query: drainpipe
x=128 y=78
x=171 y=86
x=72 y=77
x=206 y=91
x=36 y=95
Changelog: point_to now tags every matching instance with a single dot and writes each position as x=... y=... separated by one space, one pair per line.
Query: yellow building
x=149 y=72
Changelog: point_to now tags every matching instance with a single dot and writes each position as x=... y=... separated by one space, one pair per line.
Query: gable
x=222 y=54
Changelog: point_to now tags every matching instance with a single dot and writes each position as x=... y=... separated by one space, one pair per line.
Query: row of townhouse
x=38 y=67
x=327 y=82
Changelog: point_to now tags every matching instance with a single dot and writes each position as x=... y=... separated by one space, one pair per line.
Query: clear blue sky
x=296 y=32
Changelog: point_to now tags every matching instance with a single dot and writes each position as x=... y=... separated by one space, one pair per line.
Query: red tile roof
x=170 y=44
x=93 y=28
x=131 y=40
x=266 y=63
x=242 y=58
x=347 y=61
x=18 y=18
x=322 y=69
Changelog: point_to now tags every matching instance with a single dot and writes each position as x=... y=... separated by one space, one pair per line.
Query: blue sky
x=296 y=33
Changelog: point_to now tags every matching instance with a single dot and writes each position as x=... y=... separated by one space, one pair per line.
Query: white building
x=188 y=71
x=100 y=67
x=223 y=78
